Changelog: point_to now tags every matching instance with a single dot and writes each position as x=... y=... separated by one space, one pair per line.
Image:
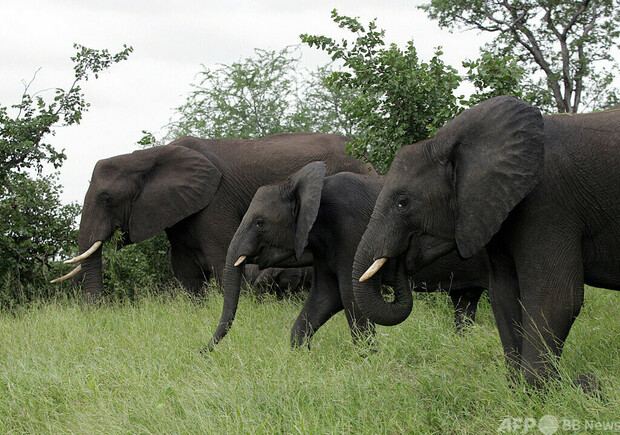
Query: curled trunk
x=368 y=294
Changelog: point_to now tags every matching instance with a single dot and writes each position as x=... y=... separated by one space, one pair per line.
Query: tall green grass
x=136 y=368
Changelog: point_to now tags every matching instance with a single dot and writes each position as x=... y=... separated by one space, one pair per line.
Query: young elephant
x=277 y=280
x=313 y=218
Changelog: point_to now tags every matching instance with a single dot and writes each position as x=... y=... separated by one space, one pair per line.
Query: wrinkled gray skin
x=277 y=280
x=323 y=218
x=197 y=190
x=541 y=193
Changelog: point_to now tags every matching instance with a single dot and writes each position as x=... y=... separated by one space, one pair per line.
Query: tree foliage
x=24 y=128
x=135 y=267
x=565 y=45
x=35 y=226
x=258 y=96
x=381 y=95
x=398 y=98
x=492 y=76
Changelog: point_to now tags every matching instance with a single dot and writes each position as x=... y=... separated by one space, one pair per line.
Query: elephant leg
x=504 y=296
x=552 y=297
x=288 y=281
x=465 y=304
x=322 y=303
x=214 y=230
x=186 y=259
x=187 y=270
x=362 y=329
x=217 y=267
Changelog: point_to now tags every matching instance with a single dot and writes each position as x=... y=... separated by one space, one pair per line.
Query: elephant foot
x=300 y=343
x=463 y=328
x=366 y=342
x=589 y=383
x=92 y=297
x=207 y=349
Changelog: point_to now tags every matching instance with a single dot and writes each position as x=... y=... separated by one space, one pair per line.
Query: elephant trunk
x=233 y=273
x=93 y=229
x=91 y=271
x=368 y=294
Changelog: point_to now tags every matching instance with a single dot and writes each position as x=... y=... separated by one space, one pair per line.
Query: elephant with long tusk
x=197 y=190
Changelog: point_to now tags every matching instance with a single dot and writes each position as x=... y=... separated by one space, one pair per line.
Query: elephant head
x=141 y=193
x=453 y=191
x=274 y=231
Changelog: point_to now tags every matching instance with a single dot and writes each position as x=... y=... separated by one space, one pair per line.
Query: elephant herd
x=501 y=198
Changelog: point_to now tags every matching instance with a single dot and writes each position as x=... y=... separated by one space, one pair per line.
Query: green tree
x=492 y=76
x=396 y=98
x=22 y=133
x=35 y=226
x=565 y=45
x=322 y=105
x=265 y=94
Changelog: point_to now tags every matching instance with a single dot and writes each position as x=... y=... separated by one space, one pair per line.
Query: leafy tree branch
x=569 y=42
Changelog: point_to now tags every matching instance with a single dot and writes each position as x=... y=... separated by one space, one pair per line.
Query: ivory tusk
x=374 y=268
x=240 y=260
x=85 y=254
x=69 y=275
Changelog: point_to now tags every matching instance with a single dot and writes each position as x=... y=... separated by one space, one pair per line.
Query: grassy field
x=136 y=368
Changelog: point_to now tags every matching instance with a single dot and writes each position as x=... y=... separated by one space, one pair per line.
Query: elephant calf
x=318 y=219
x=277 y=280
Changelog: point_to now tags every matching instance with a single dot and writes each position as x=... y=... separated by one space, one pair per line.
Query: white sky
x=171 y=40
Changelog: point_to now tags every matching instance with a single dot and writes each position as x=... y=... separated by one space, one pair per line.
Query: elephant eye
x=402 y=202
x=106 y=199
x=260 y=224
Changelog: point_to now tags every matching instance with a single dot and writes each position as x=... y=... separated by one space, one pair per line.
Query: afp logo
x=547 y=425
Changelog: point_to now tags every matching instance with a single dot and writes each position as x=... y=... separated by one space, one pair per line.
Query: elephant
x=311 y=217
x=277 y=280
x=197 y=190
x=540 y=194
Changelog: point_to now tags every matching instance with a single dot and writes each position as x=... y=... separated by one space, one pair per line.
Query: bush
x=36 y=229
x=136 y=266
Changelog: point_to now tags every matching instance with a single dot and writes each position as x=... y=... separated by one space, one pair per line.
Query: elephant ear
x=497 y=157
x=305 y=187
x=177 y=182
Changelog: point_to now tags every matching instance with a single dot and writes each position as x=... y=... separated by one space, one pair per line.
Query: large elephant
x=323 y=218
x=197 y=190
x=542 y=194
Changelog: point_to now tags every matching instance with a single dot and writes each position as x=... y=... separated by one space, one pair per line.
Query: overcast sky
x=171 y=40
